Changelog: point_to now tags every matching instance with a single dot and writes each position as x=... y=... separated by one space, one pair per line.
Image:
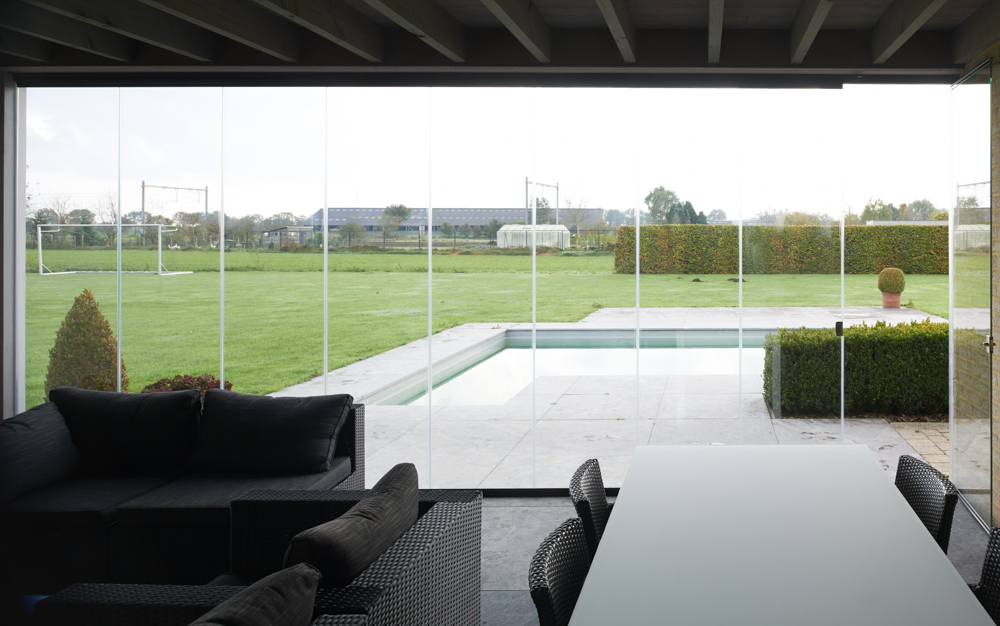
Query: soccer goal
x=52 y=229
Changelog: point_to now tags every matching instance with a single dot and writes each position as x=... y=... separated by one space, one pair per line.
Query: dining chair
x=988 y=588
x=557 y=572
x=931 y=495
x=586 y=489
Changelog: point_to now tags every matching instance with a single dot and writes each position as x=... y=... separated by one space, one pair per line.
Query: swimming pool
x=505 y=369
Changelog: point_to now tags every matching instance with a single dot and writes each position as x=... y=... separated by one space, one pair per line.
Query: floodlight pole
x=527 y=202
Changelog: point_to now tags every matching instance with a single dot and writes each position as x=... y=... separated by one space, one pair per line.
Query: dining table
x=775 y=535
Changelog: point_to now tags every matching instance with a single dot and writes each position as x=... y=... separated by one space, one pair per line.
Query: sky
x=269 y=150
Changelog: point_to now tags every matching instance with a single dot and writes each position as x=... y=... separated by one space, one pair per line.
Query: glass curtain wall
x=689 y=197
x=792 y=270
x=971 y=280
x=170 y=155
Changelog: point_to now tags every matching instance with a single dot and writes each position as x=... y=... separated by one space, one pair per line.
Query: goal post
x=161 y=229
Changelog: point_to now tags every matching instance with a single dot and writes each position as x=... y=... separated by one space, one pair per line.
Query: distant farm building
x=368 y=218
x=287 y=236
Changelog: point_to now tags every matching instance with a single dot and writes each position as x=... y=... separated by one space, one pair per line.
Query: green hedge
x=700 y=249
x=900 y=369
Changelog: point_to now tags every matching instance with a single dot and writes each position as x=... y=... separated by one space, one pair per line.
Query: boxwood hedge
x=900 y=369
x=701 y=249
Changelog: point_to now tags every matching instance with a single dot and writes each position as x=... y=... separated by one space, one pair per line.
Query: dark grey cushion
x=345 y=547
x=35 y=449
x=80 y=501
x=126 y=432
x=246 y=433
x=284 y=598
x=202 y=499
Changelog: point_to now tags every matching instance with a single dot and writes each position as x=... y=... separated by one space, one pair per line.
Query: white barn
x=519 y=236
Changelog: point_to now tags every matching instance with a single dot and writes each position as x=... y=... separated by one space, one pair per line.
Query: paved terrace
x=580 y=417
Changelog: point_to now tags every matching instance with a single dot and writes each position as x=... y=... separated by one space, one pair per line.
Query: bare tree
x=575 y=215
x=106 y=211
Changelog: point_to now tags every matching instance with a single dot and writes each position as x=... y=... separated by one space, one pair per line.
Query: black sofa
x=136 y=488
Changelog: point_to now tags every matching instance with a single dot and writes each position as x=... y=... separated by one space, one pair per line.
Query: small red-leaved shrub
x=182 y=382
x=85 y=349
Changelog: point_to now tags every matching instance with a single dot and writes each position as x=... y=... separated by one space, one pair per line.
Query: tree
x=278 y=220
x=681 y=214
x=85 y=351
x=543 y=212
x=447 y=229
x=940 y=215
x=875 y=209
x=477 y=231
x=107 y=212
x=392 y=218
x=615 y=217
x=491 y=229
x=851 y=218
x=716 y=215
x=465 y=231
x=702 y=218
x=350 y=230
x=81 y=234
x=630 y=217
x=660 y=201
x=920 y=210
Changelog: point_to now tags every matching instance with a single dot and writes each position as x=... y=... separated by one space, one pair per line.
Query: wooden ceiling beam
x=715 y=12
x=24 y=46
x=239 y=20
x=808 y=21
x=619 y=19
x=334 y=20
x=898 y=23
x=522 y=19
x=29 y=20
x=429 y=21
x=978 y=32
x=138 y=22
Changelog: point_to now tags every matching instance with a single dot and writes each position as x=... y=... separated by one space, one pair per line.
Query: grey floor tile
x=720 y=383
x=711 y=431
x=508 y=608
x=967 y=547
x=510 y=537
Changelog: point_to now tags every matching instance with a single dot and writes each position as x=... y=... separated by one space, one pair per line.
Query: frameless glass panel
x=377 y=203
x=689 y=164
x=274 y=183
x=171 y=173
x=586 y=391
x=71 y=282
x=972 y=195
x=481 y=142
x=790 y=208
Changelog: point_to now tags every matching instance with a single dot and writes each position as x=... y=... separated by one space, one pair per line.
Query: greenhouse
x=519 y=236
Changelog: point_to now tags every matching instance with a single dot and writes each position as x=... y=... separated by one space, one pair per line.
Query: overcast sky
x=262 y=150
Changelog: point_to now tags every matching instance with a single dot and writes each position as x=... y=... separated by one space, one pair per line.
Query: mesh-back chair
x=557 y=572
x=988 y=589
x=931 y=495
x=586 y=489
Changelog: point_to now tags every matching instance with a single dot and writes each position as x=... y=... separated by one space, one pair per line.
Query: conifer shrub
x=85 y=349
x=891 y=280
x=182 y=382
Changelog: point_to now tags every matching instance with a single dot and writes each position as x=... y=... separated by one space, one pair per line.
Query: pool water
x=497 y=379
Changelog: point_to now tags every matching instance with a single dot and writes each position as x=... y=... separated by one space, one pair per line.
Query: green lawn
x=377 y=302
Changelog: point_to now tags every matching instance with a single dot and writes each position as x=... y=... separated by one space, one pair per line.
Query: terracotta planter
x=890 y=300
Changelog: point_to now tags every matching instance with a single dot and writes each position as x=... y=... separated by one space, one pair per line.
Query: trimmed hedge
x=900 y=369
x=700 y=249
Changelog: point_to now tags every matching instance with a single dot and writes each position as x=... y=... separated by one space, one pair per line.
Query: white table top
x=769 y=535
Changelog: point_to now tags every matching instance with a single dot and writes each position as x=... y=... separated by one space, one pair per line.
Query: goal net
x=92 y=249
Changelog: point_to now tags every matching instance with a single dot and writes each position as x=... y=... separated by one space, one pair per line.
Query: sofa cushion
x=202 y=499
x=82 y=501
x=246 y=433
x=344 y=547
x=35 y=449
x=127 y=432
x=284 y=598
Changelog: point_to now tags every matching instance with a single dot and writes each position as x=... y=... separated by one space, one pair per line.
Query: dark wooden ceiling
x=553 y=42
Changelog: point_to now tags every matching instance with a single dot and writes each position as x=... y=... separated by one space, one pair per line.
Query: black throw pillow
x=35 y=449
x=344 y=547
x=284 y=598
x=130 y=431
x=246 y=433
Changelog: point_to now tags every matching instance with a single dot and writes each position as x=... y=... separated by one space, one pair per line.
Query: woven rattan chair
x=586 y=489
x=931 y=495
x=557 y=572
x=988 y=589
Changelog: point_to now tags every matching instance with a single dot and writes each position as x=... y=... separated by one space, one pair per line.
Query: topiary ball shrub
x=84 y=355
x=891 y=280
x=183 y=382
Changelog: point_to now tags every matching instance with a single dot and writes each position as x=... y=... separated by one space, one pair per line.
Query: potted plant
x=891 y=283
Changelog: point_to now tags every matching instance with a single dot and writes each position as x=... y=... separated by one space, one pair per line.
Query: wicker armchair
x=430 y=575
x=557 y=572
x=988 y=589
x=931 y=495
x=586 y=489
